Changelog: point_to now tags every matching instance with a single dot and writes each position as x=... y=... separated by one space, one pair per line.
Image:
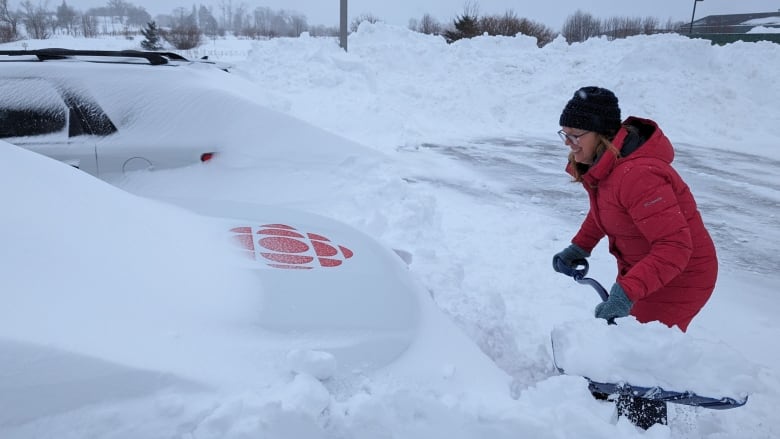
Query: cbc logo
x=283 y=246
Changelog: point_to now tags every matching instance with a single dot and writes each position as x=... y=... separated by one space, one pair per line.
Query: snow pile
x=652 y=354
x=395 y=87
x=764 y=30
x=102 y=272
x=469 y=181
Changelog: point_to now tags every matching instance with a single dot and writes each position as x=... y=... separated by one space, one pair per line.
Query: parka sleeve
x=648 y=195
x=589 y=234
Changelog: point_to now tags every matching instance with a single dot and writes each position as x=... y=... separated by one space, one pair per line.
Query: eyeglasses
x=573 y=138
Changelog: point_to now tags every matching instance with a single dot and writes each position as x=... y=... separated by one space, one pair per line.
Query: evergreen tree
x=151 y=37
x=466 y=26
x=67 y=18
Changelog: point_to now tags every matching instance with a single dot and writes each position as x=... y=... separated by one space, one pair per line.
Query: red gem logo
x=283 y=246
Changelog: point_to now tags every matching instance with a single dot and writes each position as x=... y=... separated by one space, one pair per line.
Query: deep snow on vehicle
x=313 y=273
x=209 y=296
x=321 y=275
x=115 y=116
x=50 y=102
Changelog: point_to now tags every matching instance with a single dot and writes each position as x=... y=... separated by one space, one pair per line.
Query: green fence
x=721 y=39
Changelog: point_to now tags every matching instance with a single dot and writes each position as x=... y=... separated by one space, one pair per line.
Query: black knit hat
x=592 y=109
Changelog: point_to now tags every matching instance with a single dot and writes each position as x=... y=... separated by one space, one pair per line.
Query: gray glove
x=568 y=257
x=618 y=305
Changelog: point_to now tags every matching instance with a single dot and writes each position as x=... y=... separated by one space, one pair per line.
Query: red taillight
x=206 y=156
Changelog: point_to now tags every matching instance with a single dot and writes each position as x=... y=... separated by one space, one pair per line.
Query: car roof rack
x=154 y=58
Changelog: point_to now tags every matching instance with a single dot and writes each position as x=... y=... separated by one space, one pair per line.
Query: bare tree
x=613 y=27
x=262 y=19
x=89 y=26
x=323 y=31
x=353 y=26
x=9 y=23
x=298 y=24
x=226 y=7
x=650 y=25
x=279 y=26
x=36 y=20
x=510 y=24
x=240 y=19
x=137 y=16
x=544 y=35
x=184 y=37
x=672 y=26
x=118 y=7
x=7 y=34
x=621 y=27
x=427 y=25
x=265 y=22
x=184 y=33
x=581 y=26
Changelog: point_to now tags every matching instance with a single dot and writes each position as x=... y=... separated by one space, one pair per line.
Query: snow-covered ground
x=474 y=189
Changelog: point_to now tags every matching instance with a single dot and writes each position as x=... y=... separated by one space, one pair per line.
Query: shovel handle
x=578 y=272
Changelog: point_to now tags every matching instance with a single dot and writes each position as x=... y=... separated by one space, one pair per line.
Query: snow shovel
x=625 y=390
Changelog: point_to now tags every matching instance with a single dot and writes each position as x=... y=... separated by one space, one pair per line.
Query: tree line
x=577 y=28
x=37 y=21
x=185 y=28
x=581 y=26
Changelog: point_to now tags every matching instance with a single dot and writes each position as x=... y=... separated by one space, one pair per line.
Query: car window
x=86 y=116
x=30 y=107
x=30 y=122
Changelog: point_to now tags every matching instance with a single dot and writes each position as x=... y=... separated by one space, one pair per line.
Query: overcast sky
x=550 y=12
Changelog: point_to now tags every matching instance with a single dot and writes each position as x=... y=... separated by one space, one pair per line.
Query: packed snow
x=130 y=328
x=764 y=30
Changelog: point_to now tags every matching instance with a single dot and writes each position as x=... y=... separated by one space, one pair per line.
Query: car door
x=34 y=115
x=88 y=125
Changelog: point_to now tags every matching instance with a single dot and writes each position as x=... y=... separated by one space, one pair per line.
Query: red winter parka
x=667 y=263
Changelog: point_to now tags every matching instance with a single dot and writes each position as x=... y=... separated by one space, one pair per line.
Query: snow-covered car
x=320 y=276
x=143 y=114
x=222 y=266
x=121 y=302
x=54 y=102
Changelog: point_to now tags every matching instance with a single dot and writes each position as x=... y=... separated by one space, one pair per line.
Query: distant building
x=736 y=23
